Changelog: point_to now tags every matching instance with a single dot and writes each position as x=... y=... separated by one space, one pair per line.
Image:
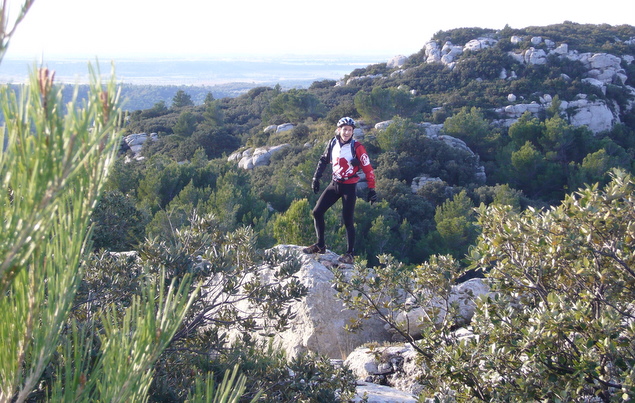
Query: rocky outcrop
x=397 y=61
x=320 y=317
x=595 y=115
x=135 y=142
x=603 y=69
x=393 y=366
x=319 y=323
x=373 y=393
x=279 y=128
x=255 y=157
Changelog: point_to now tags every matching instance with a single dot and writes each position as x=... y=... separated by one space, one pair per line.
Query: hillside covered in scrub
x=477 y=116
x=149 y=266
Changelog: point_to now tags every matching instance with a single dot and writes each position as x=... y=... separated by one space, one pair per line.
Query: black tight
x=332 y=193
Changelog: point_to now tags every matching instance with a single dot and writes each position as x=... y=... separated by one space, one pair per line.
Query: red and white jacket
x=341 y=157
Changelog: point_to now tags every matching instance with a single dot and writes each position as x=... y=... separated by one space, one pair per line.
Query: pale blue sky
x=115 y=29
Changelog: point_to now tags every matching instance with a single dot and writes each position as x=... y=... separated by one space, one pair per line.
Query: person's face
x=346 y=132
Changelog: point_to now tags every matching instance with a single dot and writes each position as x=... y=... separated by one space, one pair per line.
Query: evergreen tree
x=182 y=99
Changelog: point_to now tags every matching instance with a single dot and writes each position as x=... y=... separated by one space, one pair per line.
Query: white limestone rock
x=320 y=318
x=479 y=43
x=271 y=129
x=536 y=40
x=596 y=115
x=284 y=127
x=136 y=141
x=432 y=52
x=535 y=56
x=561 y=50
x=397 y=365
x=455 y=142
x=255 y=157
x=515 y=39
x=373 y=393
x=397 y=61
x=383 y=125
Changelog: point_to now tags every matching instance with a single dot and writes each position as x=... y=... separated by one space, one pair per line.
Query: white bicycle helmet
x=346 y=122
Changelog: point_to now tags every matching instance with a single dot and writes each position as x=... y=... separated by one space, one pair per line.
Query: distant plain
x=288 y=71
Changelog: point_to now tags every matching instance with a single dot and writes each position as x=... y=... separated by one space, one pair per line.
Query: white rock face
x=320 y=317
x=595 y=115
x=284 y=127
x=396 y=364
x=516 y=39
x=397 y=61
x=372 y=393
x=432 y=52
x=136 y=142
x=479 y=43
x=271 y=129
x=255 y=157
x=535 y=56
x=562 y=49
x=455 y=142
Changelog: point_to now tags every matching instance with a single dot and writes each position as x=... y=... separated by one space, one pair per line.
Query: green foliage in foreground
x=559 y=323
x=53 y=166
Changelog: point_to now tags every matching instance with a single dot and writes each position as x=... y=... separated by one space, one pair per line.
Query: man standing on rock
x=346 y=156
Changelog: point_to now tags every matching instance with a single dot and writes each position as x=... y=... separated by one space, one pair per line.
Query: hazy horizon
x=221 y=69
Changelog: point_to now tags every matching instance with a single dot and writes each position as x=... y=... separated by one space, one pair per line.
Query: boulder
x=561 y=50
x=432 y=52
x=271 y=129
x=383 y=125
x=479 y=43
x=284 y=127
x=596 y=115
x=536 y=40
x=397 y=61
x=455 y=143
x=373 y=393
x=432 y=130
x=535 y=56
x=395 y=366
x=255 y=157
x=136 y=141
x=320 y=318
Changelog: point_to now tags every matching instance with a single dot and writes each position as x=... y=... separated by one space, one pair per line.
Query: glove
x=315 y=185
x=372 y=196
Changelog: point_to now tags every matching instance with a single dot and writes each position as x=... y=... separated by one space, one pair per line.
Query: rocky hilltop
x=601 y=71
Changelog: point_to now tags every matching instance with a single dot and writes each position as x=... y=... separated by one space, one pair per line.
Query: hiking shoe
x=346 y=258
x=315 y=248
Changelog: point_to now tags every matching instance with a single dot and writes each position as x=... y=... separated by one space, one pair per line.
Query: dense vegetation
x=535 y=162
x=560 y=328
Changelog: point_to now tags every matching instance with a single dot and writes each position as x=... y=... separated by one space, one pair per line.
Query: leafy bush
x=558 y=324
